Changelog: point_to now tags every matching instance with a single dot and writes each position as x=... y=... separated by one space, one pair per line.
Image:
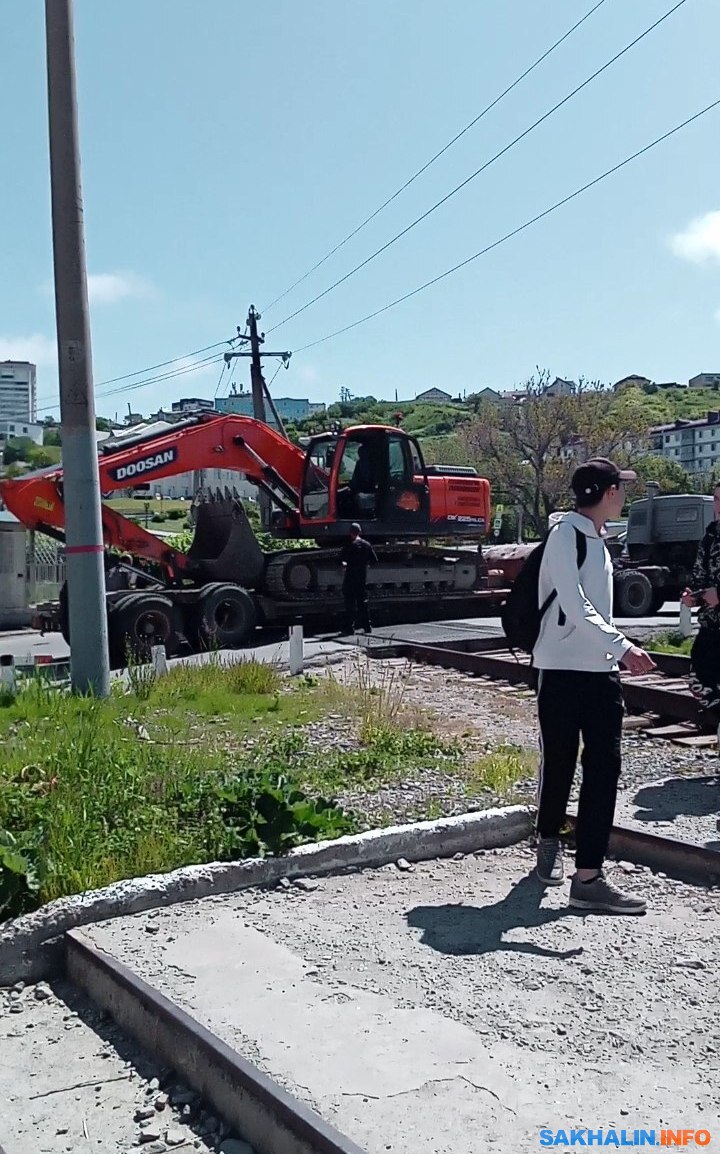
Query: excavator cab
x=369 y=474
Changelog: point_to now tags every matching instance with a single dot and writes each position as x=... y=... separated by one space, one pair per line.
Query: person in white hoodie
x=577 y=655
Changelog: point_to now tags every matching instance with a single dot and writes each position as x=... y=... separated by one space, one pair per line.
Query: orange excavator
x=226 y=584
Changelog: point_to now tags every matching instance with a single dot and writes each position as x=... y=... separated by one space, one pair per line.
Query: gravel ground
x=446 y=978
x=71 y=1082
x=483 y=714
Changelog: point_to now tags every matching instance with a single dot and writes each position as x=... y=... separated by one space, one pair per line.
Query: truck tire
x=117 y=639
x=140 y=621
x=117 y=652
x=225 y=616
x=633 y=594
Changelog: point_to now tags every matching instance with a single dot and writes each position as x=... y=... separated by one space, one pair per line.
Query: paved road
x=26 y=645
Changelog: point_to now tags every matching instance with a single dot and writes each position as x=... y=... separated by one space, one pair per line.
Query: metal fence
x=45 y=568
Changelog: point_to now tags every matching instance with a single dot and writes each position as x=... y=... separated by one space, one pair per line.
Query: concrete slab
x=454 y=1008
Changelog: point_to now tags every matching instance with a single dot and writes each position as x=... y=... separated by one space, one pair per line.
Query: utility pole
x=256 y=377
x=89 y=665
x=259 y=390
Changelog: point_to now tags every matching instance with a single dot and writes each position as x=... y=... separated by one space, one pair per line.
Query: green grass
x=135 y=506
x=385 y=755
x=500 y=770
x=95 y=791
x=670 y=643
x=207 y=763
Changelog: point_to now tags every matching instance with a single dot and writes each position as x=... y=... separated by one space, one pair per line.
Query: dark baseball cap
x=596 y=476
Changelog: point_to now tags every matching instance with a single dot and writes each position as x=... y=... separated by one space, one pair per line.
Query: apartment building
x=18 y=391
x=289 y=408
x=695 y=445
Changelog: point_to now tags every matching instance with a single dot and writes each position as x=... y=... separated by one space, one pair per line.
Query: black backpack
x=521 y=615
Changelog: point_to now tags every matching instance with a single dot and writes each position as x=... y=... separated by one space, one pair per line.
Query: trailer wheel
x=140 y=621
x=226 y=616
x=117 y=639
x=633 y=594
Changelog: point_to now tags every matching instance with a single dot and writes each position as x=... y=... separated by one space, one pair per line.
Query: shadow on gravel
x=695 y=797
x=458 y=929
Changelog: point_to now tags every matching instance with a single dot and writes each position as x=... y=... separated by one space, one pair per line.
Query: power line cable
x=203 y=363
x=151 y=368
x=443 y=150
x=550 y=112
x=514 y=232
x=220 y=379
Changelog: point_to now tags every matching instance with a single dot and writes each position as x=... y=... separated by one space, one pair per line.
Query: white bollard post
x=685 y=622
x=159 y=660
x=7 y=673
x=295 y=649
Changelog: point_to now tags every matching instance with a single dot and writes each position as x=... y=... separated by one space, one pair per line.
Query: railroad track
x=663 y=705
x=661 y=698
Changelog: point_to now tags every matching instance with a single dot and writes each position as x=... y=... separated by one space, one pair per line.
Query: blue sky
x=226 y=147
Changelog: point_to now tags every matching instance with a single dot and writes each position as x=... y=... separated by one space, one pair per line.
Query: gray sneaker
x=601 y=896
x=550 y=861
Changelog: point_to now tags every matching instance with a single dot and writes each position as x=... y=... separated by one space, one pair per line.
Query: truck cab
x=661 y=545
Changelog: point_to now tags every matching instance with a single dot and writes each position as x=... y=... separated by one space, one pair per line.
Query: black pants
x=705 y=664
x=572 y=705
x=357 y=612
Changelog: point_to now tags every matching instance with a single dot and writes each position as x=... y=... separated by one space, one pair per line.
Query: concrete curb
x=270 y=1119
x=31 y=947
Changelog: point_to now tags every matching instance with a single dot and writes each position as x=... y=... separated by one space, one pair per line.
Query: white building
x=15 y=430
x=183 y=486
x=18 y=391
x=695 y=445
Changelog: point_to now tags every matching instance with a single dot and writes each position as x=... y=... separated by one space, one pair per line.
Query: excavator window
x=316 y=482
x=399 y=461
x=418 y=466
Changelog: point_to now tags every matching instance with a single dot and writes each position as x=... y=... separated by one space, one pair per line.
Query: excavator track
x=316 y=574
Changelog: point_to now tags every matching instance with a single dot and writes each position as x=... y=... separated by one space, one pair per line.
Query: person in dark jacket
x=704 y=592
x=356 y=555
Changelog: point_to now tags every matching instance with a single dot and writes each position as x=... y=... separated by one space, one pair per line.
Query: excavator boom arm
x=243 y=444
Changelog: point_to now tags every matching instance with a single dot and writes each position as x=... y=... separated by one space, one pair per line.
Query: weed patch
x=500 y=770
x=670 y=642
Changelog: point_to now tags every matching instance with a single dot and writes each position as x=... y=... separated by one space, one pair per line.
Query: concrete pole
x=257 y=385
x=90 y=668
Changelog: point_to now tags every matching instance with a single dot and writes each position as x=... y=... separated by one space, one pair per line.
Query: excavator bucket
x=224 y=547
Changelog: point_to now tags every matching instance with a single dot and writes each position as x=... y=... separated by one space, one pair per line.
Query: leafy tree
x=17 y=449
x=42 y=457
x=670 y=475
x=529 y=450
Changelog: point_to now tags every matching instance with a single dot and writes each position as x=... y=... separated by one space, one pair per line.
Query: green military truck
x=661 y=543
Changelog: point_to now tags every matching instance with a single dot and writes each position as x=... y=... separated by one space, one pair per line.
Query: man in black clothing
x=355 y=557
